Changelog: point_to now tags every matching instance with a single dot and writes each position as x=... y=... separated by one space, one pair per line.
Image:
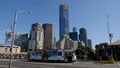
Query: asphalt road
x=25 y=64
x=4 y=63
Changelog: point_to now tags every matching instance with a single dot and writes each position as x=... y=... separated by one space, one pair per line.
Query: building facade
x=22 y=41
x=63 y=20
x=74 y=29
x=66 y=43
x=36 y=37
x=74 y=35
x=83 y=36
x=6 y=49
x=90 y=43
x=107 y=51
x=48 y=36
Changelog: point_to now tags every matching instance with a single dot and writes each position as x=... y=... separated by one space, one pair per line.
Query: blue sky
x=90 y=14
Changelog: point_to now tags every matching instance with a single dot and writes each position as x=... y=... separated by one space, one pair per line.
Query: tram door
x=68 y=56
x=45 y=57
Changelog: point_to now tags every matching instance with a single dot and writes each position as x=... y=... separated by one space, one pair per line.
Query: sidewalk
x=91 y=64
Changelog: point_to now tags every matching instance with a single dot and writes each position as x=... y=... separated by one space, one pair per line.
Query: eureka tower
x=63 y=20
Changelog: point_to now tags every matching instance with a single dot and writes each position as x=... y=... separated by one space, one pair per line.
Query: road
x=81 y=64
x=24 y=64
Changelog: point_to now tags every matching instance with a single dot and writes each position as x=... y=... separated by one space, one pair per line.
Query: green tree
x=84 y=50
x=105 y=44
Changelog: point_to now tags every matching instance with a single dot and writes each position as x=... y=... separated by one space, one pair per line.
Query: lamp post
x=110 y=36
x=13 y=36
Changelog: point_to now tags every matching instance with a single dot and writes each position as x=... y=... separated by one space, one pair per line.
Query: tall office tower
x=63 y=20
x=36 y=37
x=48 y=36
x=22 y=41
x=74 y=29
x=90 y=43
x=83 y=36
x=74 y=35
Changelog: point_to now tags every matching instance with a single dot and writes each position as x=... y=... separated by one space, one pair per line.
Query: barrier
x=14 y=57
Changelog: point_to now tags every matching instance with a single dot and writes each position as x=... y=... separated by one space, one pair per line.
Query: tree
x=84 y=51
x=105 y=44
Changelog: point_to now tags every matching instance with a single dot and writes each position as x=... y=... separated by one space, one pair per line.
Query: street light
x=13 y=36
x=110 y=36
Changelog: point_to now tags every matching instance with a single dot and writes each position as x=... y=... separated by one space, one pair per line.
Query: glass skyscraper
x=83 y=36
x=74 y=35
x=63 y=20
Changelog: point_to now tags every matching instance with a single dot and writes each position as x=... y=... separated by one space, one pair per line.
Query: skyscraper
x=74 y=29
x=63 y=20
x=83 y=36
x=36 y=37
x=22 y=41
x=90 y=43
x=48 y=36
x=74 y=35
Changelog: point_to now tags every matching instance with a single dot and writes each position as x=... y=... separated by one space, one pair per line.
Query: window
x=59 y=53
x=6 y=49
x=15 y=50
x=33 y=53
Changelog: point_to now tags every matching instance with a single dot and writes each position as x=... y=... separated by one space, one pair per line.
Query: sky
x=90 y=14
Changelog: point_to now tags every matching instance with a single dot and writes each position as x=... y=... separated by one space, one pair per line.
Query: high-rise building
x=48 y=36
x=74 y=29
x=19 y=40
x=66 y=43
x=74 y=35
x=22 y=41
x=36 y=37
x=63 y=20
x=90 y=43
x=83 y=36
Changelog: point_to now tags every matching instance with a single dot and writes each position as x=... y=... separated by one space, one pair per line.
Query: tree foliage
x=84 y=50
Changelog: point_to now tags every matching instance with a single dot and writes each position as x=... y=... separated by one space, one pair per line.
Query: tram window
x=33 y=53
x=59 y=53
